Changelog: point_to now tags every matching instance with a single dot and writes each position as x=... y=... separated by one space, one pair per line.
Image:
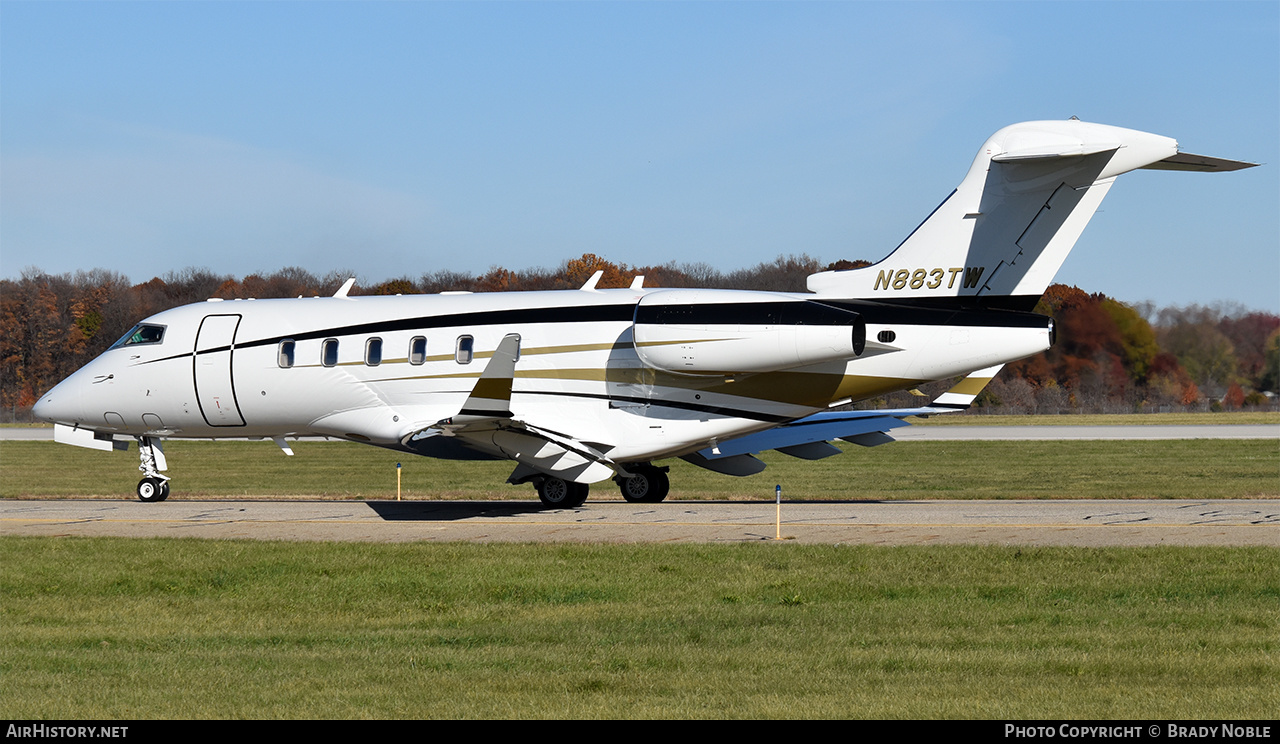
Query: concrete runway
x=1076 y=523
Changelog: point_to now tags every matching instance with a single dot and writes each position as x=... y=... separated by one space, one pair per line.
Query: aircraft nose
x=62 y=404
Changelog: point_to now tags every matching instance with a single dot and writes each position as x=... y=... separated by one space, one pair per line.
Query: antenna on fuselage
x=345 y=288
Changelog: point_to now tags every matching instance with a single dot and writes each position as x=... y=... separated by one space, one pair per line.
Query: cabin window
x=462 y=354
x=142 y=333
x=329 y=352
x=886 y=337
x=418 y=350
x=284 y=357
x=373 y=352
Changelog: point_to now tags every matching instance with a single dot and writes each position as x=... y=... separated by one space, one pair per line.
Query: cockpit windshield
x=141 y=334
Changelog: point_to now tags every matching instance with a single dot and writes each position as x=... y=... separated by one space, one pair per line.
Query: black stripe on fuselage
x=936 y=312
x=780 y=313
x=516 y=316
x=1015 y=303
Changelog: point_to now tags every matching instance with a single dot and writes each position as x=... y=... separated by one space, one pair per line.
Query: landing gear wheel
x=649 y=485
x=151 y=490
x=558 y=493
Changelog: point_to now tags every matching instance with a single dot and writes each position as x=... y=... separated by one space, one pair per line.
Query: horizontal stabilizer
x=1185 y=161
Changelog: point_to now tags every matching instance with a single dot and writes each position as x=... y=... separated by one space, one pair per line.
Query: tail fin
x=1010 y=224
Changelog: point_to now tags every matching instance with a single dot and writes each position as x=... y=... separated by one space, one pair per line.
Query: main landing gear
x=558 y=493
x=647 y=485
x=154 y=486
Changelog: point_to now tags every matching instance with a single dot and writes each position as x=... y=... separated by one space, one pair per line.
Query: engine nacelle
x=710 y=332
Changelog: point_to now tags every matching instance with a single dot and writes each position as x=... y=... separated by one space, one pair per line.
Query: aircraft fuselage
x=709 y=364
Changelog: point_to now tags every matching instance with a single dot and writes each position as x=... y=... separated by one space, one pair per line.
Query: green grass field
x=1202 y=468
x=111 y=628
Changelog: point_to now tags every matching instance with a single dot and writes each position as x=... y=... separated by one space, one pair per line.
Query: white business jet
x=581 y=386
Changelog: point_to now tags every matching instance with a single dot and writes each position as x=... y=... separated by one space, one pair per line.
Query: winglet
x=491 y=397
x=961 y=395
x=345 y=288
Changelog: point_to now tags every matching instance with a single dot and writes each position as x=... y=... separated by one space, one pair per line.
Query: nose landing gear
x=154 y=485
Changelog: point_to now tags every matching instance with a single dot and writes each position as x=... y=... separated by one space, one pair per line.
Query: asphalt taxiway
x=1079 y=523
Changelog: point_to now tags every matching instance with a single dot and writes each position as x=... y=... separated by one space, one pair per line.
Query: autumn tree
x=578 y=270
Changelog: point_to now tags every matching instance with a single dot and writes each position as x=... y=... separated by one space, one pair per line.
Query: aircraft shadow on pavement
x=436 y=511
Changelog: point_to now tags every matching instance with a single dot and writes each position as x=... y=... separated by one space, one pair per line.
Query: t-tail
x=1000 y=237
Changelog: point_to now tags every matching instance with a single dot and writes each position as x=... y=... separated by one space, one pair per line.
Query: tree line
x=1109 y=356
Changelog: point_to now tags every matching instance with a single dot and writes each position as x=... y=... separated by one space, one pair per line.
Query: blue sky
x=393 y=139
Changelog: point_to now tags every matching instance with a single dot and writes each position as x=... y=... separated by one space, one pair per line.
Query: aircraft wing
x=809 y=438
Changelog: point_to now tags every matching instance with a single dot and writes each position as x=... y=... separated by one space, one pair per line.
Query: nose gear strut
x=154 y=485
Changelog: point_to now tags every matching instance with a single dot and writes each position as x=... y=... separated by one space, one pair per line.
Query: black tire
x=152 y=490
x=558 y=493
x=649 y=485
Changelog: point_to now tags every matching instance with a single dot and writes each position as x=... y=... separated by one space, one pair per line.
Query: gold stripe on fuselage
x=808 y=389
